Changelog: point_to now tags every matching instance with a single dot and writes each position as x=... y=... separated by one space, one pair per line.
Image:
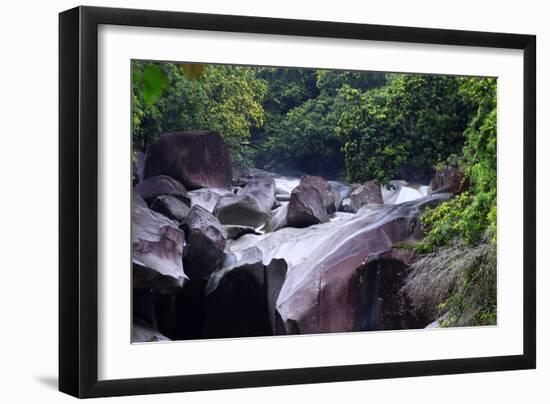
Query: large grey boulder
x=325 y=289
x=306 y=207
x=206 y=238
x=249 y=205
x=262 y=187
x=241 y=209
x=367 y=194
x=152 y=187
x=171 y=207
x=197 y=159
x=345 y=206
x=309 y=203
x=326 y=192
x=158 y=246
x=207 y=198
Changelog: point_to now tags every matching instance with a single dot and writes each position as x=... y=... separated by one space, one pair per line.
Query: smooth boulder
x=158 y=246
x=171 y=207
x=242 y=209
x=207 y=198
x=152 y=187
x=206 y=238
x=197 y=159
x=249 y=205
x=262 y=187
x=310 y=203
x=306 y=207
x=325 y=289
x=366 y=194
x=326 y=192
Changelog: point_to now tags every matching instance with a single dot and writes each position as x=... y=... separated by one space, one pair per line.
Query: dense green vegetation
x=469 y=220
x=225 y=99
x=471 y=217
x=403 y=129
x=355 y=126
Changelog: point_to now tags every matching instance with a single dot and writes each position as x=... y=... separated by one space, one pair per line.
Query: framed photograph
x=251 y=201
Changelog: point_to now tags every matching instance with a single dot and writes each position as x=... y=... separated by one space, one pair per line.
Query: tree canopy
x=357 y=126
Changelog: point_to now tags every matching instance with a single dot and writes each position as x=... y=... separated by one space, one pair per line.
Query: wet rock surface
x=242 y=209
x=249 y=205
x=171 y=207
x=322 y=291
x=266 y=254
x=197 y=159
x=367 y=194
x=206 y=238
x=325 y=191
x=306 y=207
x=207 y=198
x=160 y=185
x=158 y=246
x=309 y=203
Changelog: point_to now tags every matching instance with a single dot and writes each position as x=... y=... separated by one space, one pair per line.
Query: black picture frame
x=78 y=201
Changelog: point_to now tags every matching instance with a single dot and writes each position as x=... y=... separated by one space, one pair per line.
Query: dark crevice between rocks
x=242 y=304
x=143 y=308
x=239 y=306
x=383 y=303
x=181 y=316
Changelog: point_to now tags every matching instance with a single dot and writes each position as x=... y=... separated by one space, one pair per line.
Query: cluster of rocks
x=220 y=254
x=185 y=209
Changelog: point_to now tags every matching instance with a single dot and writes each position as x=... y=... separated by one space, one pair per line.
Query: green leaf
x=154 y=81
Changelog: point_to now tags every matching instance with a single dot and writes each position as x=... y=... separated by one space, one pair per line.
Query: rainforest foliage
x=356 y=126
x=471 y=217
